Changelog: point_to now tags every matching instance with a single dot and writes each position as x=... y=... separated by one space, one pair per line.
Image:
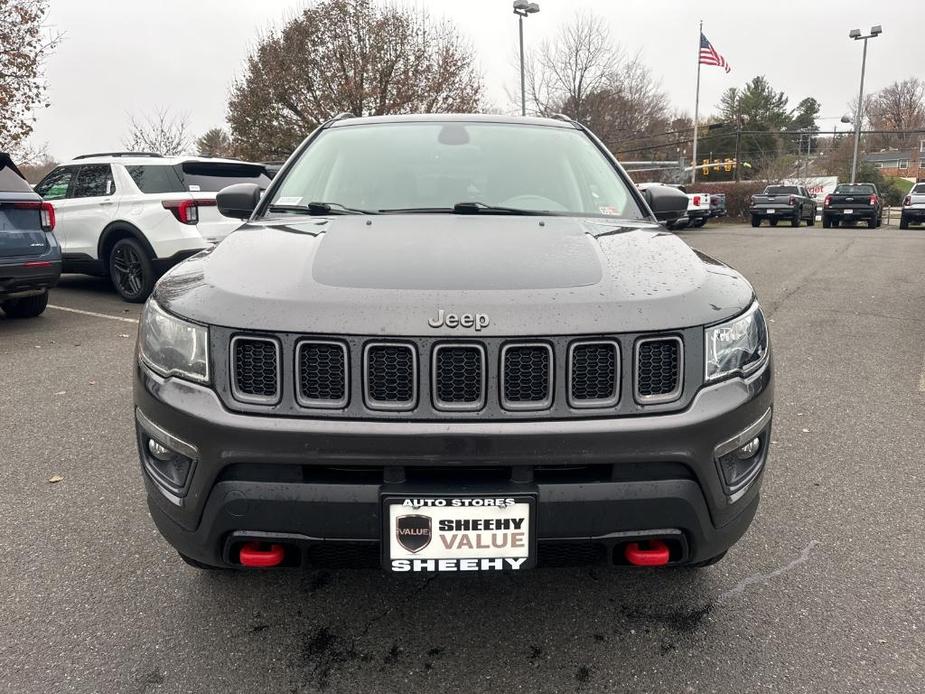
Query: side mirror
x=668 y=204
x=239 y=200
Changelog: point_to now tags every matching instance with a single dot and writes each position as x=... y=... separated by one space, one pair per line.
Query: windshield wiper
x=464 y=208
x=318 y=209
x=480 y=207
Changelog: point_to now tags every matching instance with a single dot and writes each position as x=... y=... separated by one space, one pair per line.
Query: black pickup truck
x=791 y=203
x=853 y=202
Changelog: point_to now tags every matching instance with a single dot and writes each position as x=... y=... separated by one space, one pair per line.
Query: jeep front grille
x=659 y=369
x=390 y=376
x=459 y=377
x=255 y=369
x=438 y=378
x=526 y=376
x=322 y=374
x=594 y=374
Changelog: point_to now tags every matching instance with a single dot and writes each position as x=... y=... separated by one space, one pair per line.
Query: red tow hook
x=647 y=553
x=260 y=556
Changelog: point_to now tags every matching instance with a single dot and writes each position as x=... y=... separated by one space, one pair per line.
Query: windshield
x=781 y=190
x=434 y=166
x=860 y=189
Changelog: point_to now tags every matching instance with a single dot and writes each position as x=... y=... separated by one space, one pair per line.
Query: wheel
x=756 y=220
x=699 y=222
x=131 y=271
x=826 y=224
x=772 y=222
x=196 y=564
x=707 y=562
x=795 y=222
x=811 y=222
x=872 y=222
x=903 y=223
x=26 y=307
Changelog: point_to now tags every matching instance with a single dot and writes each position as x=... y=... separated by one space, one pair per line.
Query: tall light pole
x=859 y=117
x=522 y=8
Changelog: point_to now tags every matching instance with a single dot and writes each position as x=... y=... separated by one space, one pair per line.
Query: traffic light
x=728 y=165
x=706 y=167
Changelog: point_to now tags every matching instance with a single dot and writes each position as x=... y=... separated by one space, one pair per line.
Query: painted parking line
x=94 y=314
x=922 y=377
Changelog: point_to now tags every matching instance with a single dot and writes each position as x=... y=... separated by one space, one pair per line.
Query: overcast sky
x=131 y=56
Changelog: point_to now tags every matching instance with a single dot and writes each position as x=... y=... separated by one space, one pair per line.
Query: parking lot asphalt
x=824 y=593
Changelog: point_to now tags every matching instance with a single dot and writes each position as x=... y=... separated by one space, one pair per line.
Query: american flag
x=709 y=56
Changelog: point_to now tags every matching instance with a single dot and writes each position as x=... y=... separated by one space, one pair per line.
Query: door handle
x=105 y=202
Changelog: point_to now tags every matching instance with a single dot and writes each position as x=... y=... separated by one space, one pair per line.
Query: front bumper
x=319 y=482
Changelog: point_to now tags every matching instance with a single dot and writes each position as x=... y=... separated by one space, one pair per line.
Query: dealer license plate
x=848 y=211
x=459 y=533
x=772 y=211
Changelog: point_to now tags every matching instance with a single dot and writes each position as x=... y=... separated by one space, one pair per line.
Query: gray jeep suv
x=451 y=343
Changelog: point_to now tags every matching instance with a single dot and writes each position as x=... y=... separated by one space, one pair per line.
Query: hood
x=391 y=274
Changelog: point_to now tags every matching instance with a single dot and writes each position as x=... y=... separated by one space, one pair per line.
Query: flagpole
x=696 y=109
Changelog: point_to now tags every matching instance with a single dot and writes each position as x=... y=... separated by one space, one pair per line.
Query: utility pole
x=738 y=146
x=859 y=117
x=522 y=9
x=696 y=108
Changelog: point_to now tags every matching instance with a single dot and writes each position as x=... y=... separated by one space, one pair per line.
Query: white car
x=131 y=216
x=698 y=209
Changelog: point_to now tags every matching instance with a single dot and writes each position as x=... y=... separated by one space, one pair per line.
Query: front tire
x=26 y=307
x=697 y=223
x=773 y=222
x=756 y=220
x=131 y=271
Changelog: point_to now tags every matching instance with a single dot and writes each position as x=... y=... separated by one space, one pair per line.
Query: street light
x=855 y=34
x=522 y=8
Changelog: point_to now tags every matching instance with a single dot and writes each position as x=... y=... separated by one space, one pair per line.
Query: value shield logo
x=413 y=532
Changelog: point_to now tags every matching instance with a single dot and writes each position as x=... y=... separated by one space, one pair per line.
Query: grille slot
x=390 y=376
x=659 y=369
x=255 y=370
x=459 y=377
x=594 y=374
x=526 y=376
x=322 y=374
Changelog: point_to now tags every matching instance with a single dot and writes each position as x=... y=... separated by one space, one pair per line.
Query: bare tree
x=584 y=73
x=24 y=46
x=899 y=106
x=215 y=143
x=161 y=131
x=351 y=56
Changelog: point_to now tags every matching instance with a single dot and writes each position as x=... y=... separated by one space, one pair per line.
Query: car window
x=918 y=190
x=55 y=185
x=782 y=190
x=855 y=189
x=94 y=181
x=156 y=179
x=211 y=177
x=436 y=165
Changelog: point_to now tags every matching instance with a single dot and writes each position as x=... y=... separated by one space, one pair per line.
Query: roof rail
x=119 y=154
x=341 y=116
x=562 y=116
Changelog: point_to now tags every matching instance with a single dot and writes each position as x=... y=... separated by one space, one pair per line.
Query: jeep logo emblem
x=464 y=320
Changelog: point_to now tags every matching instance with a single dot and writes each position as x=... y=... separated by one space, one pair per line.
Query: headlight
x=738 y=346
x=173 y=347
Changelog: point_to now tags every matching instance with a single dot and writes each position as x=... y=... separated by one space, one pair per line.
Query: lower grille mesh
x=256 y=368
x=658 y=368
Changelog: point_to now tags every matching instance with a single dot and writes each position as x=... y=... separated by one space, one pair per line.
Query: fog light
x=169 y=467
x=159 y=451
x=749 y=449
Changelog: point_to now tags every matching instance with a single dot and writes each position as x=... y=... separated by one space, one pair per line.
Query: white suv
x=131 y=216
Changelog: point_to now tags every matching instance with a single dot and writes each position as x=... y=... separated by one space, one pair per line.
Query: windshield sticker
x=610 y=210
x=194 y=188
x=292 y=200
